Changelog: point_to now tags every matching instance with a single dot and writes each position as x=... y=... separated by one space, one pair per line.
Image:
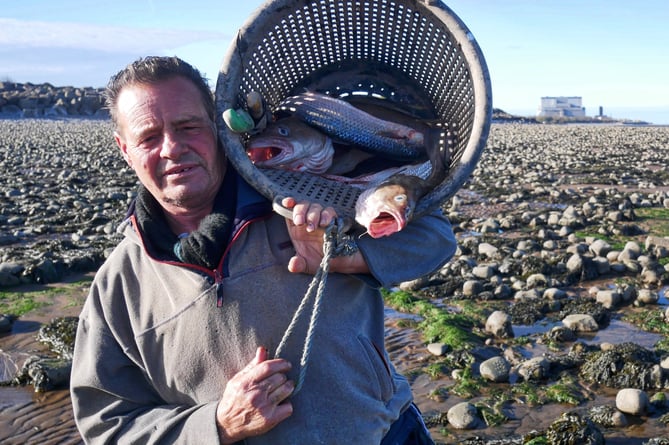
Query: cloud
x=23 y=34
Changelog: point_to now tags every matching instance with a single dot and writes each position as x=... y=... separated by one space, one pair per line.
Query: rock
x=534 y=369
x=575 y=263
x=602 y=265
x=472 y=288
x=529 y=294
x=45 y=373
x=6 y=322
x=484 y=272
x=437 y=349
x=499 y=325
x=572 y=429
x=495 y=369
x=600 y=248
x=632 y=401
x=488 y=250
x=416 y=284
x=625 y=365
x=581 y=323
x=10 y=274
x=561 y=334
x=664 y=363
x=59 y=335
x=463 y=416
x=607 y=416
x=608 y=298
x=647 y=296
x=554 y=293
x=537 y=280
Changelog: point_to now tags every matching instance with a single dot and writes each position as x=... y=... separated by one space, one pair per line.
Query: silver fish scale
x=339 y=119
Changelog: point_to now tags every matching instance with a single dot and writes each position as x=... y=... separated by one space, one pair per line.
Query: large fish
x=292 y=145
x=350 y=124
x=388 y=206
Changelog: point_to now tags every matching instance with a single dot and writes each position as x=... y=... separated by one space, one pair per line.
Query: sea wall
x=27 y=100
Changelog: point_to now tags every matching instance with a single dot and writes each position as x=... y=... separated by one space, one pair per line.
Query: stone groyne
x=27 y=100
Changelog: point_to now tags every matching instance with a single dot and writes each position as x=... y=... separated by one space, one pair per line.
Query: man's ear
x=124 y=148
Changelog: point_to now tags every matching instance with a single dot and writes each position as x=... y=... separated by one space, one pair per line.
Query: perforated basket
x=415 y=54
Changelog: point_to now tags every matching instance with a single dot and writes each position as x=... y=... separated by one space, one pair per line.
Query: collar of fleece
x=204 y=246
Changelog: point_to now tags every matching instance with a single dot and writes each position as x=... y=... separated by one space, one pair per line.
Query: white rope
x=335 y=243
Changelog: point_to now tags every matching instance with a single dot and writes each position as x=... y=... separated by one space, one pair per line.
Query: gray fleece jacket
x=157 y=340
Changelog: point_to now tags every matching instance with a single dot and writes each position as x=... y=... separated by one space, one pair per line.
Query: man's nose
x=173 y=146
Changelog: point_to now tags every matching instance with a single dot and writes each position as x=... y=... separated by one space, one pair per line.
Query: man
x=176 y=339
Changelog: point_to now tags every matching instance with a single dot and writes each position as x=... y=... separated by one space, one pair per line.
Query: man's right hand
x=255 y=400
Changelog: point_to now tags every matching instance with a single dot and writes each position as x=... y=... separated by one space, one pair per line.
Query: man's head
x=153 y=69
x=163 y=111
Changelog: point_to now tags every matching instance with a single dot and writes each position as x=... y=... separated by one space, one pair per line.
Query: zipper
x=218 y=274
x=218 y=281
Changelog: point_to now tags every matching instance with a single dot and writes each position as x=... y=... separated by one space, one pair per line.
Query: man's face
x=169 y=140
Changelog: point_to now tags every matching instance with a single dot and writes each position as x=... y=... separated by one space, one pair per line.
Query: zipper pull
x=219 y=288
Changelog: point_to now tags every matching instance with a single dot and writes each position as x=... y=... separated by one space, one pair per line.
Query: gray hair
x=154 y=69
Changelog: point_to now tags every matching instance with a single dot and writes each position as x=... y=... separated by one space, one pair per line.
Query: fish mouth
x=266 y=152
x=385 y=223
x=259 y=155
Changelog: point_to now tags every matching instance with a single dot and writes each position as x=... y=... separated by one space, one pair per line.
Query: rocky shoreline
x=28 y=100
x=562 y=234
x=64 y=191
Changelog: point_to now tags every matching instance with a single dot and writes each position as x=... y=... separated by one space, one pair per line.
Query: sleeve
x=422 y=247
x=114 y=402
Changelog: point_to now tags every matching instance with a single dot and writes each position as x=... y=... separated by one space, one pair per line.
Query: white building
x=561 y=107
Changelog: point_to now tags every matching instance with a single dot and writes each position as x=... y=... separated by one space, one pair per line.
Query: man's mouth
x=178 y=171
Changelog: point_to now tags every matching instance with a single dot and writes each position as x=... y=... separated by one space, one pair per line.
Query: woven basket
x=415 y=54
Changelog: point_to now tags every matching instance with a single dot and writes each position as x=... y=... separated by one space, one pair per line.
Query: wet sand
x=27 y=417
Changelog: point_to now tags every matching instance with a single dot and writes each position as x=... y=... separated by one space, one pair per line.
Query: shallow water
x=407 y=351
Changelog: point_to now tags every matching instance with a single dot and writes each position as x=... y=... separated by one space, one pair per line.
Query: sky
x=612 y=53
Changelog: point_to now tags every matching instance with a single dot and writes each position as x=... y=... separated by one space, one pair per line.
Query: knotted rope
x=335 y=243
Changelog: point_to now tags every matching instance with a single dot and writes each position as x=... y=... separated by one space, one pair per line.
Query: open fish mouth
x=385 y=224
x=265 y=150
x=262 y=154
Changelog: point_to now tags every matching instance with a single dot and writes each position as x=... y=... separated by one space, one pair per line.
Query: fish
x=388 y=206
x=290 y=144
x=341 y=120
x=389 y=196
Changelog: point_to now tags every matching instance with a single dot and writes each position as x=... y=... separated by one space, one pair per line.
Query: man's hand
x=307 y=229
x=255 y=399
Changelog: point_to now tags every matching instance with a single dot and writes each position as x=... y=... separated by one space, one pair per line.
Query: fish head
x=387 y=210
x=291 y=144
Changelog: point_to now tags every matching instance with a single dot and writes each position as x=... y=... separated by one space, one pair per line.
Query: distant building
x=561 y=106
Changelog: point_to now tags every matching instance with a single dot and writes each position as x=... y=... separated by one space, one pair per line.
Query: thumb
x=297 y=264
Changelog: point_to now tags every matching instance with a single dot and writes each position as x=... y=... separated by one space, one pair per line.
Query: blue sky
x=612 y=53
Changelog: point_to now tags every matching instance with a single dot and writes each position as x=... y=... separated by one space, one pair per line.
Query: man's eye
x=192 y=128
x=147 y=141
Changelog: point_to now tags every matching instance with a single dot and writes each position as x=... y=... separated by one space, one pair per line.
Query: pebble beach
x=561 y=272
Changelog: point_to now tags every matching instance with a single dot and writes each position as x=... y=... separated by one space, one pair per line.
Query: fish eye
x=400 y=198
x=284 y=131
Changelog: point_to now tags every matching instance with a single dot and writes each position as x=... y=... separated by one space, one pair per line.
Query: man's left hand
x=307 y=230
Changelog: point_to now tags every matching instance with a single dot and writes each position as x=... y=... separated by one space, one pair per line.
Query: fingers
x=313 y=215
x=255 y=399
